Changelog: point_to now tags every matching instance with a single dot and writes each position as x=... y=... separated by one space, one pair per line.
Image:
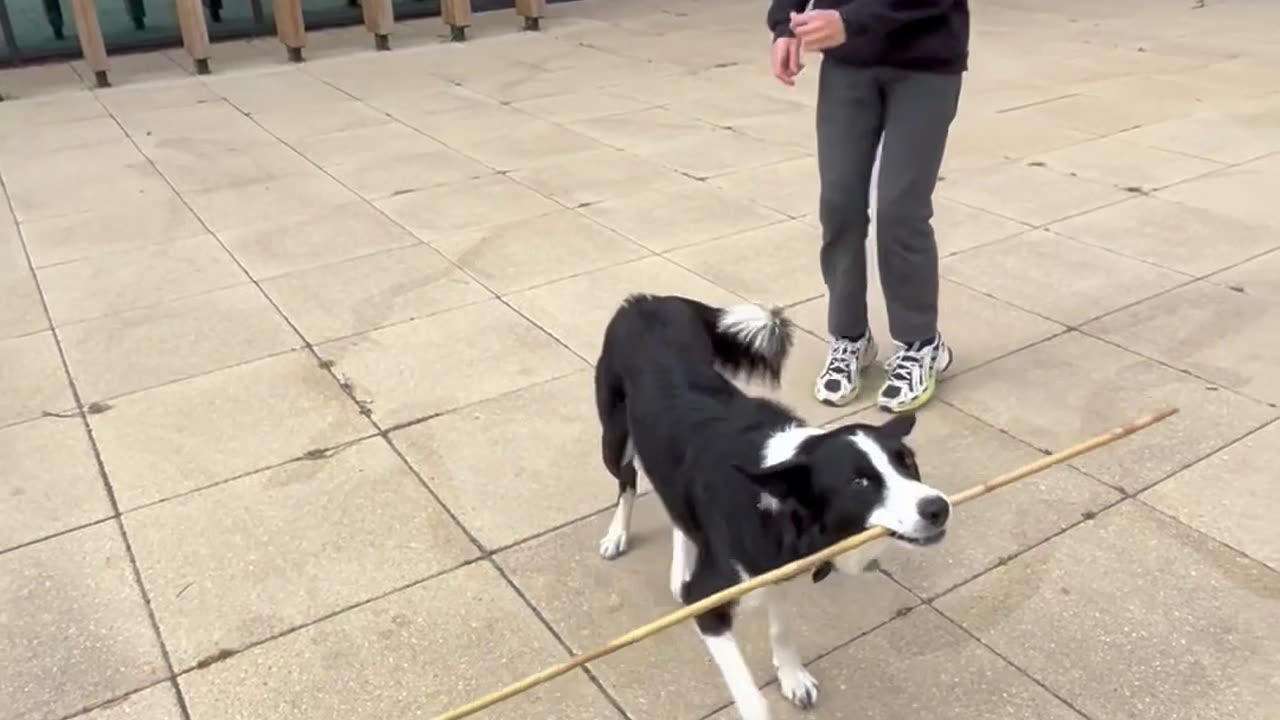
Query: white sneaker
x=841 y=377
x=913 y=374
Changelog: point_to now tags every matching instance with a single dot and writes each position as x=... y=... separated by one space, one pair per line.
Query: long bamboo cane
x=790 y=570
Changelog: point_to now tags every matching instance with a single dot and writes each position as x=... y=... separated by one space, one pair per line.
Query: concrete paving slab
x=1170 y=234
x=50 y=482
x=1068 y=389
x=384 y=660
x=1196 y=643
x=400 y=373
x=75 y=632
x=1223 y=335
x=1228 y=496
x=1057 y=277
x=38 y=382
x=360 y=294
x=235 y=564
x=180 y=437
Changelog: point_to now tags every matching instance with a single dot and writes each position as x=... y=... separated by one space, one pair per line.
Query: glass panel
x=43 y=28
x=328 y=13
x=138 y=23
x=406 y=9
x=234 y=18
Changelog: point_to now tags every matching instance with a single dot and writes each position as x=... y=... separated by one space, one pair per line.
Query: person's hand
x=786 y=60
x=819 y=30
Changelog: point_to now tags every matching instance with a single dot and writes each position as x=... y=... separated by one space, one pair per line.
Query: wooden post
x=195 y=33
x=379 y=16
x=457 y=15
x=290 y=27
x=92 y=46
x=531 y=11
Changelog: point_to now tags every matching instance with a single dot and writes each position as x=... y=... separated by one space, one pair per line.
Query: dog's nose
x=935 y=510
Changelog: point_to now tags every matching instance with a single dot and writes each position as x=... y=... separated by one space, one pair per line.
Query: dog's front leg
x=794 y=680
x=728 y=656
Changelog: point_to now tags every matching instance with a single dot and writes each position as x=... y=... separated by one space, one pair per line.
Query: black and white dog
x=748 y=486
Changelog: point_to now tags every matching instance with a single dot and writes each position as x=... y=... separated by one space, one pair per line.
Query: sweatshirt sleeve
x=779 y=16
x=878 y=17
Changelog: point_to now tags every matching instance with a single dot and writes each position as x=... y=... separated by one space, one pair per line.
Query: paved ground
x=331 y=326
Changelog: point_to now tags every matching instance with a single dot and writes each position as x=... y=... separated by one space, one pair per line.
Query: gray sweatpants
x=912 y=112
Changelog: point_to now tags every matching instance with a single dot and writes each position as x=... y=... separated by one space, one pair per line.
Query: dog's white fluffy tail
x=753 y=340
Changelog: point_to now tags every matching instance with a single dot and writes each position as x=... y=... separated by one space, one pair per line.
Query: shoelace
x=905 y=365
x=841 y=357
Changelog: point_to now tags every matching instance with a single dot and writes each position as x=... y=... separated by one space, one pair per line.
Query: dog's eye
x=861 y=482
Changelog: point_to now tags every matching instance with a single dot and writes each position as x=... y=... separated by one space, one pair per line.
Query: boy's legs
x=919 y=108
x=850 y=122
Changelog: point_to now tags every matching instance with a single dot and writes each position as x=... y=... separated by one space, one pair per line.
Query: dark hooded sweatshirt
x=921 y=35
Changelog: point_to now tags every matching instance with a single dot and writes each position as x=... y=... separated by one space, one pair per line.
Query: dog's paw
x=798 y=686
x=677 y=589
x=613 y=545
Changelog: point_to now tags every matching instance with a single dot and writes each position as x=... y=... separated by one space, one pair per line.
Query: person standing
x=890 y=78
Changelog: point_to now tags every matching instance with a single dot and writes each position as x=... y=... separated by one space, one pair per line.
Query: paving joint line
x=114 y=700
x=1093 y=515
x=1071 y=216
x=227 y=653
x=1027 y=444
x=510 y=174
x=592 y=677
x=1079 y=328
x=496 y=295
x=105 y=478
x=1204 y=534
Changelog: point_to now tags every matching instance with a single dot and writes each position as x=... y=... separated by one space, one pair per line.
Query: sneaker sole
x=925 y=396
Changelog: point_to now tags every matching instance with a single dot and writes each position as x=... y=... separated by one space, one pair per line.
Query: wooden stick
x=790 y=570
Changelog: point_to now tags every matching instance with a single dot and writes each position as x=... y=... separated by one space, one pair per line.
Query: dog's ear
x=899 y=426
x=787 y=480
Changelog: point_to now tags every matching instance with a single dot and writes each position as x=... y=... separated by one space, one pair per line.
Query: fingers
x=814 y=38
x=800 y=19
x=782 y=69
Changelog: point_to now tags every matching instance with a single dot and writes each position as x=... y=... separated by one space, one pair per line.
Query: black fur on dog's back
x=670 y=344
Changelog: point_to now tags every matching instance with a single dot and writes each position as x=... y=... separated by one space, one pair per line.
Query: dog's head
x=856 y=477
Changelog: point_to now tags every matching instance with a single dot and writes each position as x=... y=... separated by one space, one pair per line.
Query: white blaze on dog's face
x=909 y=509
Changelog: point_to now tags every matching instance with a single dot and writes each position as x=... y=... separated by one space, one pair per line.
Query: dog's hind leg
x=619 y=457
x=794 y=680
x=618 y=453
